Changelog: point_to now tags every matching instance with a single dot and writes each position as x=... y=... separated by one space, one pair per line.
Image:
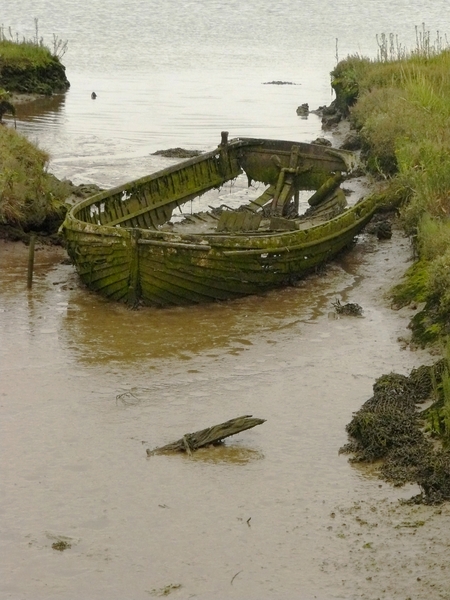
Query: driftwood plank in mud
x=211 y=435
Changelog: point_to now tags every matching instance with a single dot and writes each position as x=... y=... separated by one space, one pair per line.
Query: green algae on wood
x=124 y=245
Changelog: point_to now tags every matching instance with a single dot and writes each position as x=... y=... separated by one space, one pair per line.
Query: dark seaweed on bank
x=390 y=428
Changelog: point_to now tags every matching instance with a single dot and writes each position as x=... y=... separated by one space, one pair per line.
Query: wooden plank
x=167 y=292
x=325 y=190
x=165 y=244
x=233 y=221
x=180 y=287
x=209 y=436
x=282 y=224
x=265 y=198
x=185 y=192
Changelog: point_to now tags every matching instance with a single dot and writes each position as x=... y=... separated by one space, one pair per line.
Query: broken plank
x=211 y=435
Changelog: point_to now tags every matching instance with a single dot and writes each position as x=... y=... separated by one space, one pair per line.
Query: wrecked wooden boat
x=139 y=243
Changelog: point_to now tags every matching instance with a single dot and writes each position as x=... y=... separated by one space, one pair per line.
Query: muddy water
x=87 y=386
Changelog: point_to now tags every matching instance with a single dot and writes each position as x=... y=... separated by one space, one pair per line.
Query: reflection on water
x=44 y=109
x=104 y=332
x=227 y=454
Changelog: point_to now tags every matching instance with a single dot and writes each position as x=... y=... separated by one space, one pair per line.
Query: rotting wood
x=133 y=284
x=172 y=266
x=265 y=198
x=211 y=435
x=239 y=221
x=325 y=190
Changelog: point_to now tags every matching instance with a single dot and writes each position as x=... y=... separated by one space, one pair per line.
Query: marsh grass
x=446 y=407
x=400 y=104
x=391 y=49
x=23 y=54
x=30 y=66
x=19 y=50
x=29 y=195
x=433 y=237
x=438 y=414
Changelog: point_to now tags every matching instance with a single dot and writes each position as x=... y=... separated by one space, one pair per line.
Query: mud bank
x=89 y=385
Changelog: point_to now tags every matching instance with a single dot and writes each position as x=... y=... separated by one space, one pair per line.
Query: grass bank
x=399 y=104
x=31 y=199
x=401 y=109
x=28 y=66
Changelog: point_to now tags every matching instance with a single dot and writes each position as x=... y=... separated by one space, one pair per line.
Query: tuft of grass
x=438 y=414
x=24 y=54
x=29 y=66
x=34 y=48
x=414 y=286
x=433 y=237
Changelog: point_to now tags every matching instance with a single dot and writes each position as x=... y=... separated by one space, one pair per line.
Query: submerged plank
x=211 y=435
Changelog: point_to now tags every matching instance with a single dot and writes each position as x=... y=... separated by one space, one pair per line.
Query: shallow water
x=176 y=73
x=87 y=386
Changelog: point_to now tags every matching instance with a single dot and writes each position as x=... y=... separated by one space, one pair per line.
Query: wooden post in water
x=224 y=158
x=31 y=260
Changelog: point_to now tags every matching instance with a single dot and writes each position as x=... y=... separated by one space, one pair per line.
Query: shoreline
x=19 y=99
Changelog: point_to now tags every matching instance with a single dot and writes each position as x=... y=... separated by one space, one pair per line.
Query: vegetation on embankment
x=29 y=66
x=32 y=200
x=30 y=197
x=401 y=108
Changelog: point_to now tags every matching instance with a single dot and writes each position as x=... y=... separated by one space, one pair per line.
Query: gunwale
x=142 y=263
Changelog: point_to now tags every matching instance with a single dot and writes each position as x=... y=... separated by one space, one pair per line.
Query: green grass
x=437 y=415
x=29 y=66
x=29 y=195
x=24 y=54
x=400 y=104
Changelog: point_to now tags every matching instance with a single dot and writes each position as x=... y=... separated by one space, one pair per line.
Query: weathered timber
x=206 y=437
x=127 y=246
x=325 y=190
x=286 y=183
x=239 y=221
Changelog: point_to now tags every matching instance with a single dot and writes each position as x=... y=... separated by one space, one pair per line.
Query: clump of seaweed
x=177 y=153
x=433 y=476
x=389 y=428
x=349 y=309
x=424 y=379
x=61 y=545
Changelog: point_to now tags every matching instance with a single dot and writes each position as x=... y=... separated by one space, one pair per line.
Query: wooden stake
x=31 y=261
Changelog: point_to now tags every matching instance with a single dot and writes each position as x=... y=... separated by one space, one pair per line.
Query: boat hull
x=121 y=252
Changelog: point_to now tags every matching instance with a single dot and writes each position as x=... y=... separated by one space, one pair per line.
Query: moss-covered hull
x=116 y=242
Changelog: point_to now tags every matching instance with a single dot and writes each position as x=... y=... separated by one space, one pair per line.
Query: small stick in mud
x=234 y=577
x=206 y=437
x=31 y=261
